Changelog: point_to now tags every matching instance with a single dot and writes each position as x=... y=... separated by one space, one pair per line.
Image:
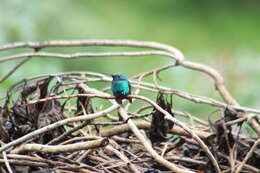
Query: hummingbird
x=120 y=87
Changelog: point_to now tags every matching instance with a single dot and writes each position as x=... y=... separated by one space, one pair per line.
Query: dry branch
x=249 y=154
x=68 y=149
x=60 y=148
x=148 y=146
x=123 y=157
x=57 y=124
x=7 y=163
x=145 y=125
x=3 y=78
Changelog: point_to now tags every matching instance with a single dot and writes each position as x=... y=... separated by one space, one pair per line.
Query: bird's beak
x=113 y=76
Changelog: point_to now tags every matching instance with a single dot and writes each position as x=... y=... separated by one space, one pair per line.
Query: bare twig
x=172 y=52
x=59 y=138
x=3 y=78
x=193 y=135
x=127 y=43
x=78 y=55
x=249 y=154
x=57 y=124
x=70 y=79
x=145 y=125
x=25 y=163
x=148 y=146
x=7 y=163
x=123 y=157
x=188 y=96
x=60 y=148
x=248 y=167
x=219 y=81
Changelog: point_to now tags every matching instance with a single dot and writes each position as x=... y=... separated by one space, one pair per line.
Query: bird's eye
x=115 y=76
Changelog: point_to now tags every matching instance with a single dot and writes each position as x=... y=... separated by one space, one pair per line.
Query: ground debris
x=107 y=144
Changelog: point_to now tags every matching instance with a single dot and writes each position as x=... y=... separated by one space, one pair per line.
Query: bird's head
x=118 y=76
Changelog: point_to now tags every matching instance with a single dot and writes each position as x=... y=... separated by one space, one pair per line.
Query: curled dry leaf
x=159 y=125
x=23 y=118
x=83 y=103
x=37 y=104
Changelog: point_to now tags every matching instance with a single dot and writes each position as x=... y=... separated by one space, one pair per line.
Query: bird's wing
x=129 y=85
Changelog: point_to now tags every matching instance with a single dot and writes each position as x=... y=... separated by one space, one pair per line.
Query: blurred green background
x=224 y=34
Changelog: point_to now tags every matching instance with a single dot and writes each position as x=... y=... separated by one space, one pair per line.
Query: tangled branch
x=37 y=113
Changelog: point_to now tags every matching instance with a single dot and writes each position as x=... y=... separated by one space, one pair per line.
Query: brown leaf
x=159 y=125
x=4 y=127
x=224 y=137
x=83 y=102
x=51 y=113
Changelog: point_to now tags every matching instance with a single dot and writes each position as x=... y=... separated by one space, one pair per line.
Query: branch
x=60 y=148
x=249 y=154
x=219 y=81
x=69 y=80
x=57 y=124
x=145 y=125
x=2 y=79
x=79 y=55
x=148 y=146
x=191 y=132
x=7 y=163
x=127 y=43
x=145 y=85
x=175 y=53
x=122 y=157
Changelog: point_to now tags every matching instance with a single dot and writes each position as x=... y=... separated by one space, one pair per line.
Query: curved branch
x=170 y=51
x=79 y=55
x=148 y=146
x=219 y=81
x=64 y=43
x=175 y=53
x=191 y=132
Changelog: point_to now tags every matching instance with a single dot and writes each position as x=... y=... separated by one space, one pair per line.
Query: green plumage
x=120 y=87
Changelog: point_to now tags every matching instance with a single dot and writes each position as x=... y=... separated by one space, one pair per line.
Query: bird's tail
x=129 y=99
x=119 y=100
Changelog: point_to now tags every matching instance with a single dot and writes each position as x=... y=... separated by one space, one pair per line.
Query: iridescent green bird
x=120 y=87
